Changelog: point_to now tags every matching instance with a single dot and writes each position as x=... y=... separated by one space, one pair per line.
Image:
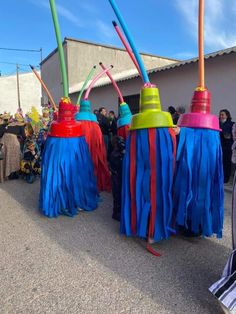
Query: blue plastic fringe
x=67 y=177
x=199 y=184
x=164 y=175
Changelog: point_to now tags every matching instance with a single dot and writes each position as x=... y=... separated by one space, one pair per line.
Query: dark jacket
x=104 y=124
x=113 y=126
x=2 y=129
x=226 y=136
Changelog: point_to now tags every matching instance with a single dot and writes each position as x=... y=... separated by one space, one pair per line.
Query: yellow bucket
x=150 y=115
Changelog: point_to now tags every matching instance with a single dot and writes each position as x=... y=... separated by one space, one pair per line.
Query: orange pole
x=201 y=83
x=45 y=88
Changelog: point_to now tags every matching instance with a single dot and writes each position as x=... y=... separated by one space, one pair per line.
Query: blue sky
x=162 y=27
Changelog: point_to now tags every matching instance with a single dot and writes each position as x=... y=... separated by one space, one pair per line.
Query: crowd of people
x=22 y=138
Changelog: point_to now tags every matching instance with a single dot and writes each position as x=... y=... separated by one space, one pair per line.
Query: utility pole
x=41 y=54
x=18 y=85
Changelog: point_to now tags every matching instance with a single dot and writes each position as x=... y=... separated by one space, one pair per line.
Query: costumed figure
x=67 y=175
x=198 y=187
x=148 y=164
x=94 y=138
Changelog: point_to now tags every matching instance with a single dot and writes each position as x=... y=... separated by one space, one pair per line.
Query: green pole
x=60 y=48
x=85 y=83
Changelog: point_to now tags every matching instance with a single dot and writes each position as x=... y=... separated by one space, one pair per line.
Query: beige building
x=176 y=83
x=30 y=92
x=81 y=56
x=175 y=79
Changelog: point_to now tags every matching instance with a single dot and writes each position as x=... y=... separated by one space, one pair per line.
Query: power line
x=14 y=63
x=18 y=49
x=26 y=50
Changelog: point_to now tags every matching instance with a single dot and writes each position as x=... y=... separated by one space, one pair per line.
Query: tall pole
x=18 y=85
x=41 y=55
x=201 y=44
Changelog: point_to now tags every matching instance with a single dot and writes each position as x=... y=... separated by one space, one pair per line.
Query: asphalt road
x=83 y=265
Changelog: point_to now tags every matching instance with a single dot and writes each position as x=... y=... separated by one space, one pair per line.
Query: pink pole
x=113 y=82
x=128 y=49
x=95 y=80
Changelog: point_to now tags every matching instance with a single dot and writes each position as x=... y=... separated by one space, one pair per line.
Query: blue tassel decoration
x=199 y=185
x=164 y=175
x=67 y=178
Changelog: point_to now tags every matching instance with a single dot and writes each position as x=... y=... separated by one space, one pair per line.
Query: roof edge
x=66 y=39
x=116 y=48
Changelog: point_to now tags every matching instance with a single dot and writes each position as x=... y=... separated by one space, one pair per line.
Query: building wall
x=30 y=92
x=177 y=86
x=82 y=56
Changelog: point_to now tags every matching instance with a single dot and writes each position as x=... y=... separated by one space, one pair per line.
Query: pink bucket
x=200 y=116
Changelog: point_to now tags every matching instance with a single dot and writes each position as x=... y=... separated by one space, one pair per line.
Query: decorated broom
x=148 y=164
x=198 y=186
x=94 y=138
x=123 y=123
x=67 y=179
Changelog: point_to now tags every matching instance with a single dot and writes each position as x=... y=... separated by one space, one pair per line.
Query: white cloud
x=90 y=8
x=61 y=10
x=104 y=29
x=69 y=16
x=218 y=35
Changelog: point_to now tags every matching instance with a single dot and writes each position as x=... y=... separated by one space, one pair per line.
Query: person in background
x=115 y=162
x=30 y=164
x=113 y=129
x=174 y=114
x=104 y=125
x=4 y=120
x=180 y=110
x=17 y=126
x=29 y=131
x=226 y=139
x=10 y=164
x=113 y=123
x=95 y=111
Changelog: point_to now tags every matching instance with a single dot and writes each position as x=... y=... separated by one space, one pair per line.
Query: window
x=133 y=102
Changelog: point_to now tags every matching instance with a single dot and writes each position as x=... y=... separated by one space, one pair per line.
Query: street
x=83 y=265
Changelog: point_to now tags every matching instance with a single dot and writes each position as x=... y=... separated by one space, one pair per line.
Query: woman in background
x=226 y=139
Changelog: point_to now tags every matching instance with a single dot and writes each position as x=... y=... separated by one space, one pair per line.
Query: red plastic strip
x=152 y=251
x=153 y=183
x=173 y=137
x=153 y=187
x=123 y=131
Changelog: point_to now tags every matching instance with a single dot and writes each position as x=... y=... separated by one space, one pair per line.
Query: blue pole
x=130 y=40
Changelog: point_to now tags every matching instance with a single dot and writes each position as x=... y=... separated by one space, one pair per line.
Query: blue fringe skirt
x=147 y=184
x=199 y=184
x=67 y=177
